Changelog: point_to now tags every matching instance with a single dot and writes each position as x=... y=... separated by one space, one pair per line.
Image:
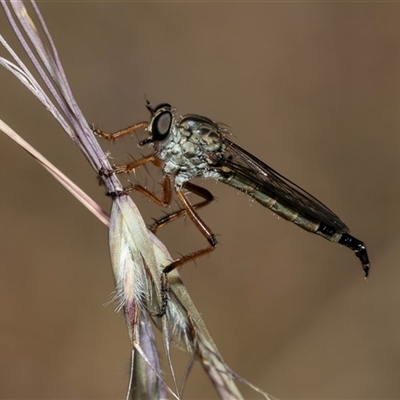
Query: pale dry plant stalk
x=137 y=255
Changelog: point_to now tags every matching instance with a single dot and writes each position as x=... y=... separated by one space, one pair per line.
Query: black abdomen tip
x=359 y=248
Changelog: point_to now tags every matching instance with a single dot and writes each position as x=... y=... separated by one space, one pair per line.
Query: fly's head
x=160 y=125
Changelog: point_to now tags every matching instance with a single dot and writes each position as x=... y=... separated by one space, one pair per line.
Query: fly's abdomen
x=281 y=208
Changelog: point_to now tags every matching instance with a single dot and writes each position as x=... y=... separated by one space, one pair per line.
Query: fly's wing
x=236 y=163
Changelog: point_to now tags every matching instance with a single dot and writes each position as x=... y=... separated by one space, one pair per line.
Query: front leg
x=116 y=135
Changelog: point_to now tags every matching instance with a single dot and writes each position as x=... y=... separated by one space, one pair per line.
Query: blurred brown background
x=313 y=89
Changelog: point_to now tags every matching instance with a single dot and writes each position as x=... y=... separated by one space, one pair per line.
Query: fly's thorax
x=191 y=147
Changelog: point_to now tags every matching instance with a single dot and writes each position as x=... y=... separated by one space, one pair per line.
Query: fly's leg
x=116 y=135
x=198 y=190
x=201 y=226
x=166 y=195
x=124 y=169
x=205 y=231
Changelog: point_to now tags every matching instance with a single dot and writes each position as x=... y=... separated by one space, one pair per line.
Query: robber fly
x=191 y=146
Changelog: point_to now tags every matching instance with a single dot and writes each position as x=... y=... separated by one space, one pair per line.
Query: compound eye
x=161 y=125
